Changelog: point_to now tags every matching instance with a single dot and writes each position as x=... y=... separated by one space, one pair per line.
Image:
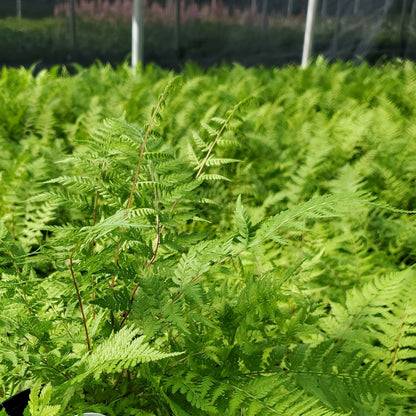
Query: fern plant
x=172 y=269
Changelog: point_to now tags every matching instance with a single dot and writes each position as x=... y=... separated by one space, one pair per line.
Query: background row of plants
x=49 y=42
x=231 y=241
x=207 y=34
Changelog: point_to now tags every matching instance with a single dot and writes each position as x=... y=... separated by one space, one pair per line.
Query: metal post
x=412 y=18
x=356 y=7
x=324 y=8
x=19 y=9
x=334 y=47
x=264 y=13
x=178 y=28
x=137 y=33
x=402 y=16
x=307 y=43
x=402 y=31
x=73 y=24
x=386 y=7
x=289 y=8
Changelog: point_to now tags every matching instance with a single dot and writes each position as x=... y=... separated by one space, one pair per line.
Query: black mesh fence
x=250 y=32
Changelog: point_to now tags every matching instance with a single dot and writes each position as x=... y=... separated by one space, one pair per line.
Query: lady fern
x=183 y=258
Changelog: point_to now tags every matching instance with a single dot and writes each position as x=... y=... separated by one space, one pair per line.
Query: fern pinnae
x=155 y=192
x=39 y=401
x=160 y=229
x=212 y=161
x=199 y=142
x=326 y=206
x=136 y=176
x=97 y=196
x=125 y=349
x=94 y=221
x=146 y=137
x=224 y=124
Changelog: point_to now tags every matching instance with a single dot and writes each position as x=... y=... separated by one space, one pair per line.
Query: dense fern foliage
x=230 y=242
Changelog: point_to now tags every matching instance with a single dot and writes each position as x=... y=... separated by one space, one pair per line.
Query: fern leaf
x=339 y=377
x=384 y=307
x=124 y=349
x=39 y=400
x=213 y=161
x=321 y=207
x=243 y=223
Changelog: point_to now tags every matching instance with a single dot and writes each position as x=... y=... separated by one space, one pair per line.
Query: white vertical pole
x=289 y=8
x=178 y=29
x=264 y=13
x=324 y=8
x=386 y=7
x=137 y=33
x=356 y=6
x=307 y=43
x=73 y=24
x=19 y=8
x=403 y=16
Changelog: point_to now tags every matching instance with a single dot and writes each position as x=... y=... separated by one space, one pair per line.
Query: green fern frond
x=39 y=400
x=243 y=223
x=213 y=177
x=322 y=207
x=215 y=161
x=200 y=143
x=112 y=224
x=381 y=316
x=210 y=130
x=122 y=350
x=199 y=260
x=339 y=377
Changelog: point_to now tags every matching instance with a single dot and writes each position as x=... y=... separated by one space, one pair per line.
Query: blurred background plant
x=215 y=11
x=250 y=32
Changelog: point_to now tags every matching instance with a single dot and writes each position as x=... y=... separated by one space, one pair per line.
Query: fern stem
x=139 y=165
x=223 y=127
x=158 y=231
x=22 y=289
x=127 y=313
x=211 y=148
x=178 y=296
x=146 y=137
x=55 y=369
x=151 y=261
x=396 y=347
x=117 y=256
x=204 y=162
x=183 y=359
x=94 y=221
x=96 y=199
x=254 y=398
x=161 y=229
x=74 y=280
x=25 y=297
x=63 y=322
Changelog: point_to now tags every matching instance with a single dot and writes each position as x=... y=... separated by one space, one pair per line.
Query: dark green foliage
x=168 y=247
x=48 y=40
